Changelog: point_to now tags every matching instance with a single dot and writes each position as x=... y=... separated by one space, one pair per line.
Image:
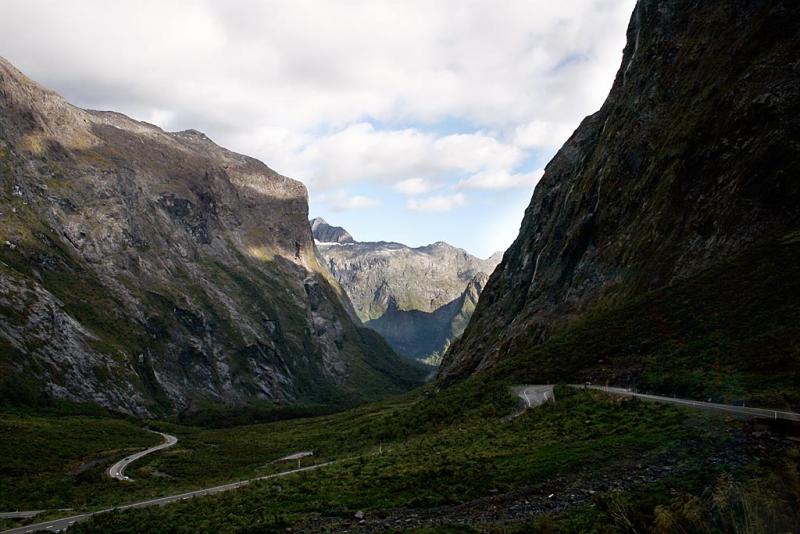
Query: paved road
x=712 y=406
x=118 y=469
x=534 y=395
x=296 y=456
x=57 y=525
x=20 y=515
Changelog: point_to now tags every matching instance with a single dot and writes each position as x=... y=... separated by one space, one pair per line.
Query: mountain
x=419 y=299
x=661 y=242
x=155 y=272
x=427 y=335
x=326 y=233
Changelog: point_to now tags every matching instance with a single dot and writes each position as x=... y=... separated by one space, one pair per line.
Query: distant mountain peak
x=325 y=233
x=418 y=298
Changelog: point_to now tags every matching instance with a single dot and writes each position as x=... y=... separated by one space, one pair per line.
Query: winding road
x=700 y=405
x=57 y=525
x=531 y=395
x=118 y=469
x=534 y=395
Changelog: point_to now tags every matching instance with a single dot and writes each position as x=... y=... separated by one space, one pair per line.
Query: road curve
x=534 y=395
x=711 y=406
x=118 y=469
x=57 y=525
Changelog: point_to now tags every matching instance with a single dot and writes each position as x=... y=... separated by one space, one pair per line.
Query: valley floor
x=431 y=461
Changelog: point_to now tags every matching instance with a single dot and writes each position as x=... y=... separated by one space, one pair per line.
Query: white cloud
x=340 y=94
x=438 y=203
x=542 y=134
x=357 y=202
x=241 y=70
x=475 y=151
x=342 y=201
x=361 y=153
x=161 y=117
x=412 y=186
x=502 y=180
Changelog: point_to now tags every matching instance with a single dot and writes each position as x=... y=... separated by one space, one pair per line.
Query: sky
x=412 y=121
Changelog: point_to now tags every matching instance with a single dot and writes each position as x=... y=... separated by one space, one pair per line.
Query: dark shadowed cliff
x=691 y=164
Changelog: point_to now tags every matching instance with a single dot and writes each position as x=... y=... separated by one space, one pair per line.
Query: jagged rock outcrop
x=419 y=299
x=326 y=233
x=153 y=272
x=694 y=157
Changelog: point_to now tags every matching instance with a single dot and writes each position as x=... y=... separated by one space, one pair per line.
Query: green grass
x=55 y=461
x=748 y=500
x=450 y=445
x=721 y=334
x=203 y=457
x=439 y=448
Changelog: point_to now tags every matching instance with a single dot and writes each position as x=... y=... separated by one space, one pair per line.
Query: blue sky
x=411 y=121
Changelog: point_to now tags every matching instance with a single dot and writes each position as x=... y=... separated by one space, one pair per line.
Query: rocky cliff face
x=326 y=233
x=419 y=299
x=427 y=335
x=151 y=271
x=693 y=158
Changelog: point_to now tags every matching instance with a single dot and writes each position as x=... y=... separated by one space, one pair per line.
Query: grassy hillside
x=730 y=333
x=54 y=461
x=448 y=457
x=453 y=456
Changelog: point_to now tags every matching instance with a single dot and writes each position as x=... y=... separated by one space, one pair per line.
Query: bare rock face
x=326 y=233
x=152 y=272
x=693 y=158
x=427 y=335
x=419 y=299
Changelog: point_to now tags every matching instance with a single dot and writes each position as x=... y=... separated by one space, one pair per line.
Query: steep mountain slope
x=419 y=299
x=692 y=161
x=728 y=333
x=150 y=271
x=427 y=335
